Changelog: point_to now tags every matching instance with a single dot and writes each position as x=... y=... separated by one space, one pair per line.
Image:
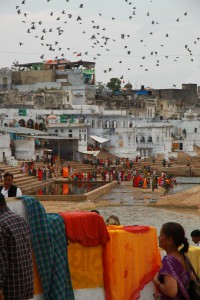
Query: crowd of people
x=47 y=171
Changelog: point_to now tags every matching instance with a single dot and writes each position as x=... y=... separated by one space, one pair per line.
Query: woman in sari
x=173 y=279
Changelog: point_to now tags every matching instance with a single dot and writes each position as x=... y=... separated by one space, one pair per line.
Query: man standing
x=16 y=266
x=195 y=235
x=8 y=189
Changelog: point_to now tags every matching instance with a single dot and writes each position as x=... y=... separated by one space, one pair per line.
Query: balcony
x=143 y=145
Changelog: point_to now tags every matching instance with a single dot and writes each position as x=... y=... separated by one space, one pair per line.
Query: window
x=5 y=80
x=56 y=130
x=79 y=136
x=195 y=130
x=70 y=133
x=85 y=137
x=114 y=124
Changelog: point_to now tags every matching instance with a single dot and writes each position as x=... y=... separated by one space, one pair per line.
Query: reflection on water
x=67 y=189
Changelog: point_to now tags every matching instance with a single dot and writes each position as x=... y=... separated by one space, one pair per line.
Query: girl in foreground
x=172 y=281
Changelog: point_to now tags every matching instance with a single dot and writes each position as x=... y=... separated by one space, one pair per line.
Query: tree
x=100 y=86
x=128 y=86
x=114 y=84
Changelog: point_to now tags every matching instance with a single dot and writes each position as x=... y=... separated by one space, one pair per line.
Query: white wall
x=4 y=146
x=24 y=149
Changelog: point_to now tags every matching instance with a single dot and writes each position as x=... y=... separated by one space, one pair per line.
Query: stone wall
x=31 y=77
x=188 y=94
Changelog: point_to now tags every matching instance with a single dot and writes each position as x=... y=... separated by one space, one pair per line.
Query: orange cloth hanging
x=128 y=262
x=65 y=172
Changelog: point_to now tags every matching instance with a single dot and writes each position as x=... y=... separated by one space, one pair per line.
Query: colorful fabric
x=16 y=266
x=65 y=172
x=194 y=256
x=128 y=262
x=86 y=228
x=85 y=266
x=172 y=267
x=49 y=245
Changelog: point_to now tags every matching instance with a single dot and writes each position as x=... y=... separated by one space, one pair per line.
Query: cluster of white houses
x=60 y=98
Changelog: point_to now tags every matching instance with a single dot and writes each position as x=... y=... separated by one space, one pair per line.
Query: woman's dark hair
x=177 y=233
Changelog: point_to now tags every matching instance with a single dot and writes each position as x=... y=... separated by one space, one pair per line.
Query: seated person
x=112 y=220
x=195 y=235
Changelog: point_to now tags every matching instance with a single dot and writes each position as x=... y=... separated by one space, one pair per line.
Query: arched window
x=22 y=123
x=30 y=124
x=149 y=139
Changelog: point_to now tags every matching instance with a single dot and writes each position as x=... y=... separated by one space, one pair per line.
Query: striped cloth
x=50 y=251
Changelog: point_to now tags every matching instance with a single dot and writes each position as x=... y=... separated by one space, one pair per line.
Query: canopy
x=22 y=130
x=99 y=139
x=95 y=153
x=50 y=137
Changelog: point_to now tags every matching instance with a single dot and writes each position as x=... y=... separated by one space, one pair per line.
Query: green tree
x=100 y=86
x=114 y=84
x=128 y=86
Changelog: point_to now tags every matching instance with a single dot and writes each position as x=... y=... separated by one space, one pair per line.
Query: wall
x=187 y=94
x=24 y=149
x=4 y=146
x=32 y=77
x=36 y=86
x=5 y=78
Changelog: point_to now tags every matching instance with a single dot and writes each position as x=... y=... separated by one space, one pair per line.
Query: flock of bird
x=100 y=40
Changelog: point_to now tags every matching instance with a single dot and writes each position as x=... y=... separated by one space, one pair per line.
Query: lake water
x=67 y=189
x=131 y=210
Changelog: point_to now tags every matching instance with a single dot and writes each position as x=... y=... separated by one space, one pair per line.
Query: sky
x=155 y=43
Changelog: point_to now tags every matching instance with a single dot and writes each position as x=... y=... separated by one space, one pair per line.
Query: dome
x=51 y=117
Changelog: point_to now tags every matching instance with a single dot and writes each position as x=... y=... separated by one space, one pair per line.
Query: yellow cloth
x=194 y=256
x=85 y=266
x=130 y=261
